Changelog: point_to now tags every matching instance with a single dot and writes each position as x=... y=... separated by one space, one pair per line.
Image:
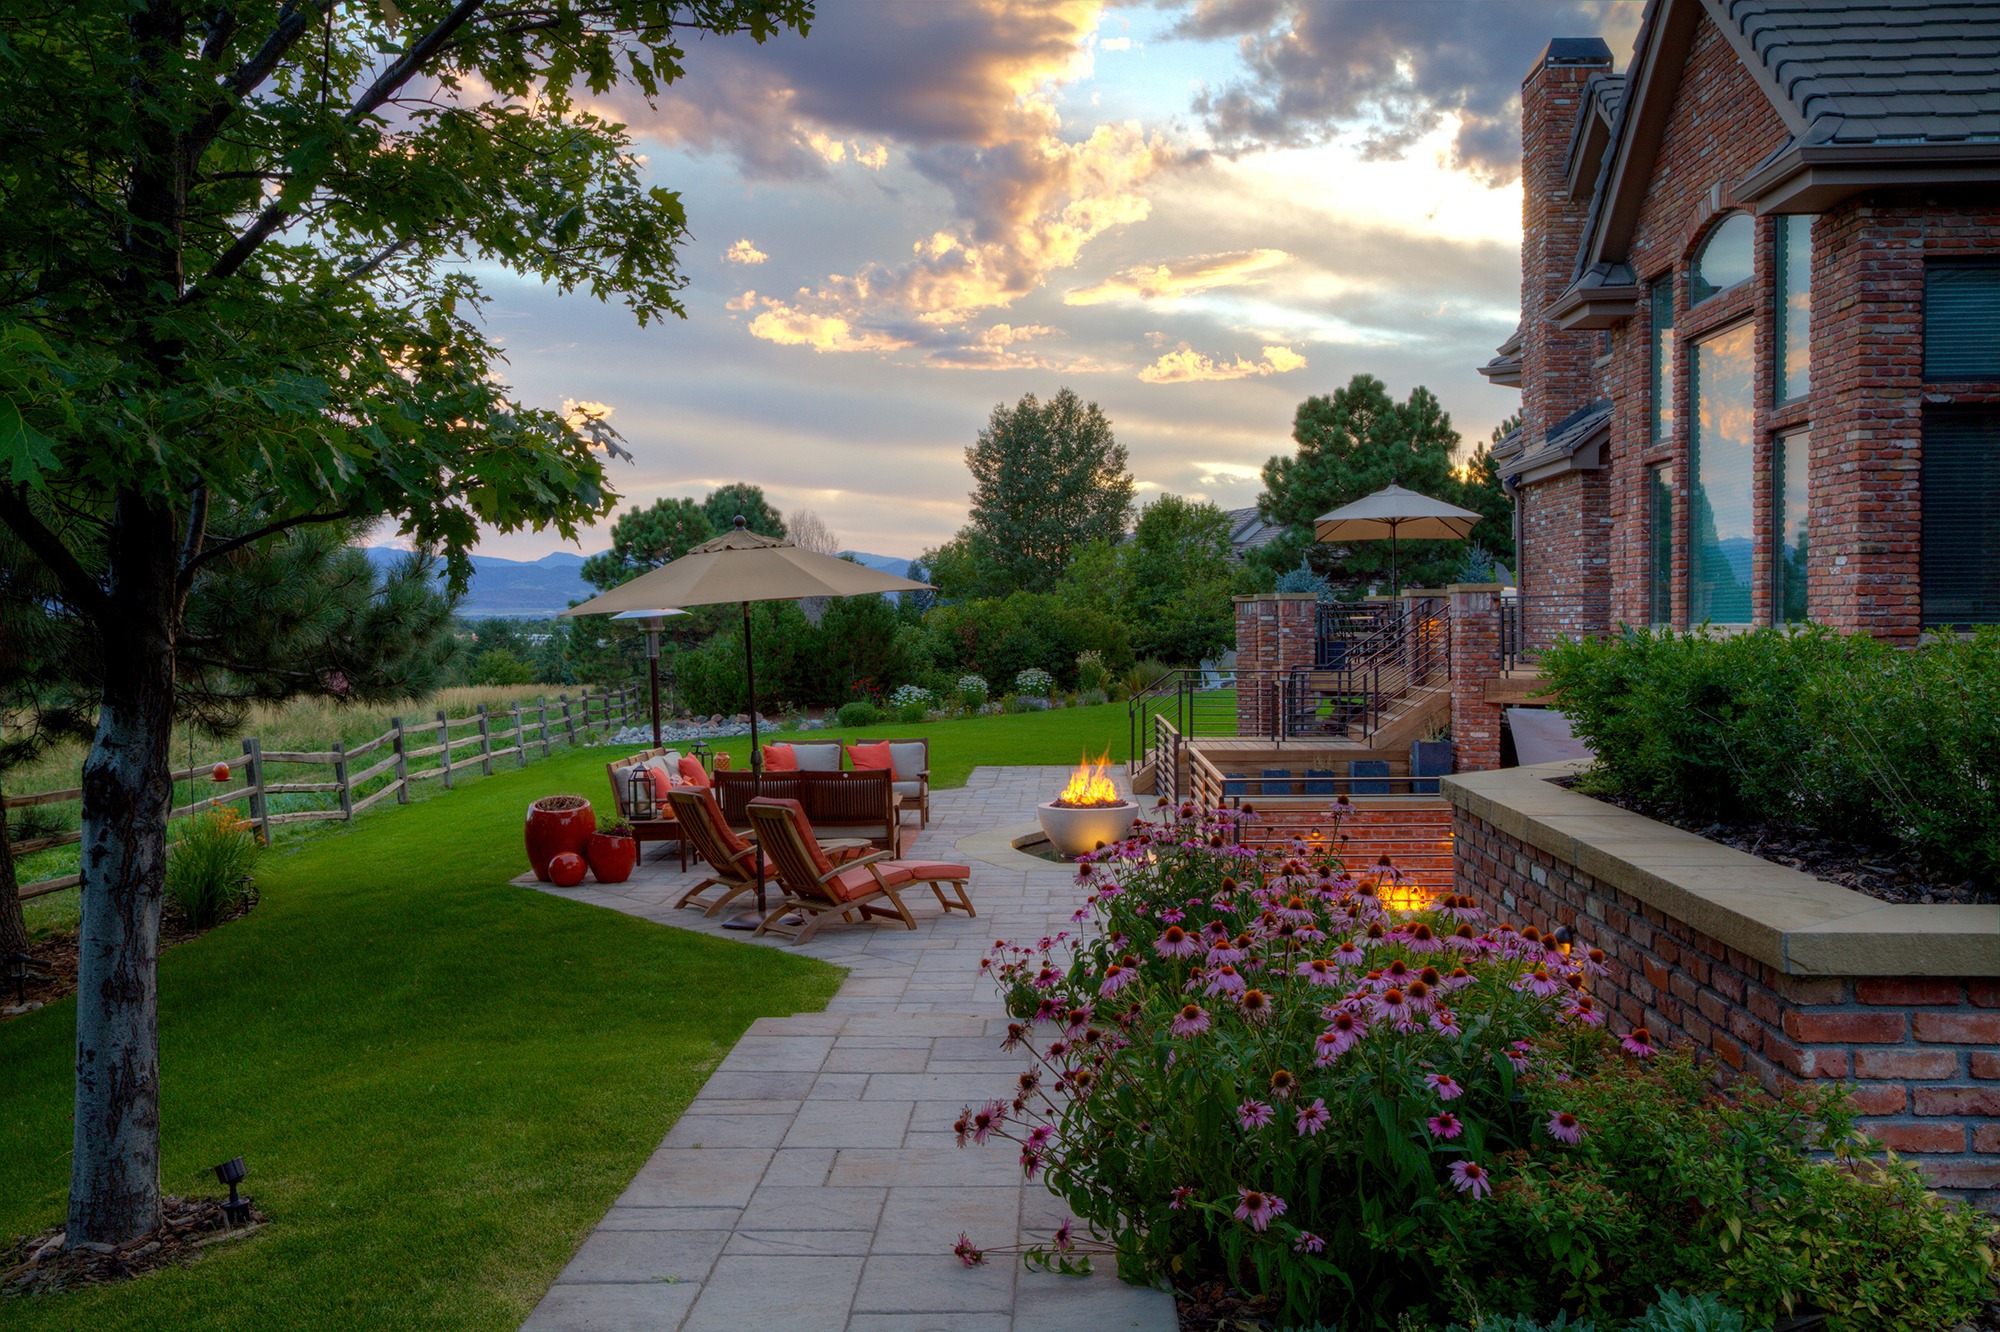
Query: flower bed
x=1249 y=1067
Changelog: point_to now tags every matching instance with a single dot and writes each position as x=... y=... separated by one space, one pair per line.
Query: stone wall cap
x=1475 y=587
x=1799 y=924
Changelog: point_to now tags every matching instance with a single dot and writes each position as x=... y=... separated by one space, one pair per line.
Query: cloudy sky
x=1194 y=214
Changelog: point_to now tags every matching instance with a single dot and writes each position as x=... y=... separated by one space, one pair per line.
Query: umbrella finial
x=739 y=524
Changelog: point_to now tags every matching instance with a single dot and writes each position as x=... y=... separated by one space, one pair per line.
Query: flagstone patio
x=814 y=1183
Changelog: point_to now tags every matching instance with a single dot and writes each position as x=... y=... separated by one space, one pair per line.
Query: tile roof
x=1565 y=440
x=1866 y=72
x=1249 y=529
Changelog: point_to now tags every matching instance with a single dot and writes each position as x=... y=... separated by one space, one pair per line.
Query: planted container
x=612 y=856
x=558 y=824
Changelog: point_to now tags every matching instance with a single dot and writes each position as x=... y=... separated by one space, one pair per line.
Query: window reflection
x=1789 y=457
x=1794 y=273
x=1725 y=258
x=1660 y=540
x=1721 y=529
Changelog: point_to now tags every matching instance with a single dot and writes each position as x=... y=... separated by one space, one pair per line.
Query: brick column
x=1475 y=659
x=1275 y=633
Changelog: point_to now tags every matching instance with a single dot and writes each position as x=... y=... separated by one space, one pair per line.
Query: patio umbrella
x=1393 y=513
x=744 y=566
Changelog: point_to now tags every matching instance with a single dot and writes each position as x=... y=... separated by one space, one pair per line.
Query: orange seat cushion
x=868 y=757
x=927 y=870
x=858 y=882
x=780 y=758
x=695 y=774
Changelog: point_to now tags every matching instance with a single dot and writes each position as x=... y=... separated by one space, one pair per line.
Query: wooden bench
x=839 y=804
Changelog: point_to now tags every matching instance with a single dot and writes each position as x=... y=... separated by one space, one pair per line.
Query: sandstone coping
x=1789 y=920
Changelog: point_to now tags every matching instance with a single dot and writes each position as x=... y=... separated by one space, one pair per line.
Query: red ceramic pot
x=611 y=858
x=557 y=824
x=566 y=869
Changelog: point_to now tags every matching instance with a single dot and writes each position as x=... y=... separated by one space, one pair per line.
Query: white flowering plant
x=1034 y=682
x=911 y=695
x=1364 y=1104
x=972 y=691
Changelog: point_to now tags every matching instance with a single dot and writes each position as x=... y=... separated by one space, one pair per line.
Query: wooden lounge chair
x=732 y=858
x=818 y=888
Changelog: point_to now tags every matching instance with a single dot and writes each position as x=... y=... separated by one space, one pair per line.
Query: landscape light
x=231 y=1172
x=1564 y=937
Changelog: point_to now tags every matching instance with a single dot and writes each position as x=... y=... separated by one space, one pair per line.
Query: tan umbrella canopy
x=1392 y=513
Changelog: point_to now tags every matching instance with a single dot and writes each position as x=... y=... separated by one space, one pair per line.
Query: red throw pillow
x=867 y=757
x=780 y=758
x=663 y=782
x=692 y=771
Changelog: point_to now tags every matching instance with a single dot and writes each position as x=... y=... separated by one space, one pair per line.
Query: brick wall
x=1475 y=658
x=1275 y=633
x=1922 y=1054
x=1566 y=524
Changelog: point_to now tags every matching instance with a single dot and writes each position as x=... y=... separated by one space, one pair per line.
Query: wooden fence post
x=542 y=706
x=569 y=721
x=444 y=736
x=402 y=752
x=520 y=738
x=485 y=743
x=260 y=809
x=340 y=776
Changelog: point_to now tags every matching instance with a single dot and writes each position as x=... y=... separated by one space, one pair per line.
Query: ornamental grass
x=1250 y=1066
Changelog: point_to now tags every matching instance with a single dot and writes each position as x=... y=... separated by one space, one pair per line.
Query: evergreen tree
x=1047 y=479
x=724 y=505
x=645 y=539
x=1177 y=578
x=1480 y=490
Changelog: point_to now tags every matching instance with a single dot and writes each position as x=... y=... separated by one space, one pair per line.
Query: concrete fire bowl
x=1073 y=832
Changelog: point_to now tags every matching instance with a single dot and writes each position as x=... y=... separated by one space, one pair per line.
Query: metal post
x=653 y=671
x=485 y=742
x=340 y=775
x=260 y=809
x=401 y=750
x=444 y=755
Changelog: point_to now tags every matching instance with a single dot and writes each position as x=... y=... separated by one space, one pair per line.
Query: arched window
x=1724 y=259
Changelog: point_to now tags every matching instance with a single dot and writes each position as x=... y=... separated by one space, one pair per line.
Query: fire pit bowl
x=1089 y=813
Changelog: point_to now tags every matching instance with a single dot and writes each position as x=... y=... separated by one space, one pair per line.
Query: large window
x=1660 y=307
x=1721 y=529
x=1794 y=308
x=1961 y=531
x=1726 y=258
x=1790 y=455
x=1660 y=543
x=1961 y=321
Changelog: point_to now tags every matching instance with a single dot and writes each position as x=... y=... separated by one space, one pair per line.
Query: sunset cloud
x=1184 y=365
x=743 y=252
x=792 y=327
x=1185 y=277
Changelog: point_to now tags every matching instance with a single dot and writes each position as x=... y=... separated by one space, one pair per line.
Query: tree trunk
x=13 y=928
x=127 y=792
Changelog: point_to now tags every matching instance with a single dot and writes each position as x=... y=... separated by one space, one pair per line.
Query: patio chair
x=633 y=796
x=732 y=860
x=911 y=764
x=818 y=888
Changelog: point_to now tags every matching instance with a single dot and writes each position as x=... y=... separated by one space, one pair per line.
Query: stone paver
x=814 y=1183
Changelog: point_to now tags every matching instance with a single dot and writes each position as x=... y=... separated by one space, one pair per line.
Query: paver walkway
x=814 y=1183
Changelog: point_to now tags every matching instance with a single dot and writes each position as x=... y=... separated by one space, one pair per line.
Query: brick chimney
x=1555 y=366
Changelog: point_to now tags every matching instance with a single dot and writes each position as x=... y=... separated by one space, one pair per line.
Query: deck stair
x=1414 y=834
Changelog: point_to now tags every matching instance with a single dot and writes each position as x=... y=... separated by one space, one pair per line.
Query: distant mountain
x=514 y=589
x=542 y=589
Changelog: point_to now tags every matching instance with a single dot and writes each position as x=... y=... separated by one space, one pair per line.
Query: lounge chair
x=818 y=887
x=732 y=858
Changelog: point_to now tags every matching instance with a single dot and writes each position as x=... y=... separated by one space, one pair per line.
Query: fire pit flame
x=1090 y=786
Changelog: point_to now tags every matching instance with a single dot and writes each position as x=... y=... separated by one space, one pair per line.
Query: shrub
x=500 y=666
x=911 y=703
x=1091 y=671
x=858 y=713
x=1034 y=682
x=1262 y=1072
x=971 y=691
x=208 y=870
x=1089 y=698
x=1844 y=733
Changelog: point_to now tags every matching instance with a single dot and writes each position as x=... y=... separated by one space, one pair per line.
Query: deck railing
x=1530 y=622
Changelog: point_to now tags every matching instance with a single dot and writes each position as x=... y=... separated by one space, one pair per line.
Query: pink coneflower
x=1421 y=938
x=1223 y=954
x=965 y=1253
x=1444 y=1022
x=1350 y=954
x=1253 y=1115
x=1393 y=1005
x=1256 y=1005
x=1445 y=1085
x=1564 y=1127
x=1445 y=1126
x=1116 y=978
x=1031 y=1163
x=1344 y=1031
x=1471 y=1177
x=1283 y=1084
x=1582 y=1009
x=1591 y=962
x=1190 y=1021
x=987 y=1119
x=1639 y=1042
x=1180 y=1195
x=1259 y=1209
x=1518 y=1055
x=1313 y=1118
x=1172 y=916
x=1174 y=942
x=1457 y=979
x=1538 y=983
x=1224 y=980
x=1307 y=1242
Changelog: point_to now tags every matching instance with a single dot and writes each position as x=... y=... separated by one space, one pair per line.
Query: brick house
x=1759 y=353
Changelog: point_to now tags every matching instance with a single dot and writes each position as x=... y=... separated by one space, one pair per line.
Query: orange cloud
x=791 y=327
x=743 y=252
x=1186 y=277
x=1187 y=366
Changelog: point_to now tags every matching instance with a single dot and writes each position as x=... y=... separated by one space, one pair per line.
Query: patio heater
x=652 y=621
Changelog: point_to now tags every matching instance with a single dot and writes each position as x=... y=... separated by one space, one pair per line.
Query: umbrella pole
x=756 y=754
x=1395 y=565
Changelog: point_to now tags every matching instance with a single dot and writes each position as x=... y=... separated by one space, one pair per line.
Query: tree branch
x=188 y=566
x=197 y=531
x=77 y=584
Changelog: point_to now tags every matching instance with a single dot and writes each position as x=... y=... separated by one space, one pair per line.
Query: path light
x=1564 y=937
x=231 y=1172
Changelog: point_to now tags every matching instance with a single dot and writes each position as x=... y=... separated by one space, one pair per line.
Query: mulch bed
x=189 y=1228
x=1882 y=870
x=55 y=960
x=1216 y=1306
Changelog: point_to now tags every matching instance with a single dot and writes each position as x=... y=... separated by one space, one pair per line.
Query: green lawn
x=439 y=1081
x=1017 y=739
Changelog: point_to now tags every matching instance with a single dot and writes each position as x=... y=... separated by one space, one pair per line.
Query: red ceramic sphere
x=611 y=858
x=566 y=870
x=219 y=773
x=550 y=832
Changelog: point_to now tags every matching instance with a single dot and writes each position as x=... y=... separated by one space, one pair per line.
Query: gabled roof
x=1603 y=95
x=1249 y=529
x=1505 y=367
x=1874 y=93
x=1573 y=444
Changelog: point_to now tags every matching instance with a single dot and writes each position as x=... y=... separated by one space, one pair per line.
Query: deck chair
x=731 y=858
x=818 y=888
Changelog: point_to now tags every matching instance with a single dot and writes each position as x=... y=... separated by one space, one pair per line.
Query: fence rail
x=496 y=735
x=1531 y=622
